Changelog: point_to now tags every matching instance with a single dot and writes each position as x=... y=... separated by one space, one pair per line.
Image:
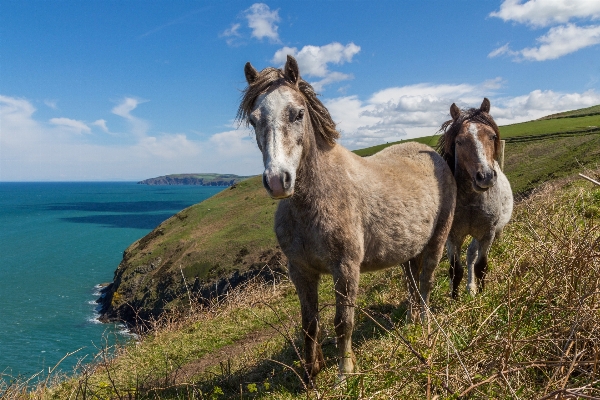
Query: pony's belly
x=390 y=257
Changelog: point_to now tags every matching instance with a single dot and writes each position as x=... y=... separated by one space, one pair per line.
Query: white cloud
x=125 y=108
x=540 y=13
x=53 y=104
x=402 y=112
x=138 y=126
x=34 y=150
x=231 y=34
x=102 y=124
x=501 y=51
x=232 y=31
x=263 y=22
x=419 y=110
x=71 y=125
x=314 y=61
x=169 y=146
x=562 y=40
x=540 y=103
x=559 y=40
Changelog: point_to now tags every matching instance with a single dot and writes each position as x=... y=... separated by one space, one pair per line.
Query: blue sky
x=107 y=90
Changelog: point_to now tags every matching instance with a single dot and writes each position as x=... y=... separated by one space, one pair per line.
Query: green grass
x=545 y=127
x=529 y=164
x=369 y=151
x=575 y=113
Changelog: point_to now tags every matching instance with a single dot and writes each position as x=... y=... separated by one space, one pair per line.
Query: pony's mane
x=450 y=129
x=319 y=116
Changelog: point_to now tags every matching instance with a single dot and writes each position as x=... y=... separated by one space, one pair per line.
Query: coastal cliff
x=195 y=179
x=207 y=249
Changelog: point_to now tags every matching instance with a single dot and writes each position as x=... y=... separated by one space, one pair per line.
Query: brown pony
x=470 y=143
x=341 y=214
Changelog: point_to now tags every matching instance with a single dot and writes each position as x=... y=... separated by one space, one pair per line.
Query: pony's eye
x=494 y=137
x=300 y=115
x=252 y=123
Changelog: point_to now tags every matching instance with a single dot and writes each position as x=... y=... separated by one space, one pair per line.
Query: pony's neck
x=463 y=179
x=312 y=177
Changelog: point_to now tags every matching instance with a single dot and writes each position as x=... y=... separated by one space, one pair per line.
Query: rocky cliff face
x=207 y=249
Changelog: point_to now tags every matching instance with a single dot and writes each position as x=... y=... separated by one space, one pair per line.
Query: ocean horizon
x=59 y=242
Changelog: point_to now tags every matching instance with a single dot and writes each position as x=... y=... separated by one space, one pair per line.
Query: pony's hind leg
x=456 y=270
x=306 y=284
x=432 y=253
x=346 y=277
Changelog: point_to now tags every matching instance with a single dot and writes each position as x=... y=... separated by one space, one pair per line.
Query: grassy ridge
x=575 y=113
x=542 y=127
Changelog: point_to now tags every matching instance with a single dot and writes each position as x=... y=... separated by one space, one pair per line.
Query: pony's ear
x=454 y=111
x=485 y=105
x=291 y=72
x=250 y=72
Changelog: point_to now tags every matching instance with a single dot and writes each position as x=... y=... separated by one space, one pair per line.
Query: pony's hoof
x=412 y=317
x=472 y=289
x=341 y=381
x=309 y=383
x=347 y=364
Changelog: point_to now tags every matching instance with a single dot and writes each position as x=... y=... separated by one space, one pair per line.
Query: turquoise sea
x=58 y=242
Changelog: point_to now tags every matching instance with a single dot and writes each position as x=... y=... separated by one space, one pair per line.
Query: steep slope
x=227 y=236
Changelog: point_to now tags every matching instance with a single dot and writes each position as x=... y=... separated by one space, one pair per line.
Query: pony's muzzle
x=279 y=184
x=485 y=179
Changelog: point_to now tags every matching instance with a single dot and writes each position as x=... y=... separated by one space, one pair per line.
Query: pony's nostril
x=495 y=173
x=287 y=180
x=266 y=182
x=480 y=176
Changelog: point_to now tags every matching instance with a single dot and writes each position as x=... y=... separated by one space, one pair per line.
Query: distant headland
x=195 y=179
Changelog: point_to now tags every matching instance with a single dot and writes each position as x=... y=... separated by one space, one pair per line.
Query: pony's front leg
x=477 y=263
x=307 y=284
x=346 y=279
x=456 y=270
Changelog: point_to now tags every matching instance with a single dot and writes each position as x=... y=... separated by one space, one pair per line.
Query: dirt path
x=232 y=351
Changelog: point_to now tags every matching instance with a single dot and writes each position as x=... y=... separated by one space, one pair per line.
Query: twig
x=589 y=179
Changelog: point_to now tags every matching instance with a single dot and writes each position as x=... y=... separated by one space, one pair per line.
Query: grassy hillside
x=541 y=150
x=228 y=233
x=575 y=113
x=533 y=333
x=577 y=122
